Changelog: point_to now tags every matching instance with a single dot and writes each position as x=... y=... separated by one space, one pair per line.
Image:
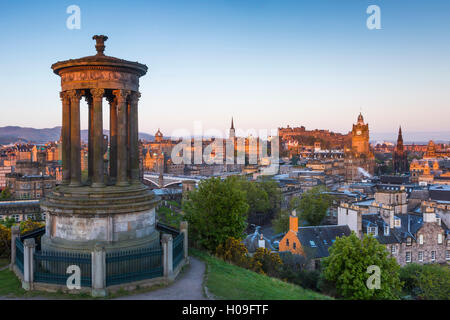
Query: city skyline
x=267 y=64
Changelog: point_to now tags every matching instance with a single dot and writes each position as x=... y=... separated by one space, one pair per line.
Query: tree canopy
x=313 y=205
x=216 y=211
x=347 y=268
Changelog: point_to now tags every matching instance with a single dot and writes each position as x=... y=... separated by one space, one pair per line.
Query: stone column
x=167 y=243
x=184 y=231
x=97 y=139
x=122 y=156
x=65 y=137
x=112 y=136
x=128 y=137
x=75 y=141
x=90 y=135
x=28 y=263
x=98 y=271
x=134 y=137
x=15 y=233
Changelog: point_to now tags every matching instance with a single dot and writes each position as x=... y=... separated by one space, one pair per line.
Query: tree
x=312 y=207
x=273 y=192
x=280 y=223
x=429 y=281
x=5 y=194
x=215 y=211
x=257 y=198
x=346 y=267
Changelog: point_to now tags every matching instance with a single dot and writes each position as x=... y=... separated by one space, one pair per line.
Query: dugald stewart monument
x=111 y=206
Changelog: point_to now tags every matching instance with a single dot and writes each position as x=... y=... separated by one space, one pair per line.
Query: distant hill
x=13 y=134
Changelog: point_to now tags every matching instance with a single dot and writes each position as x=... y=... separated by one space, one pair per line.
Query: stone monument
x=112 y=207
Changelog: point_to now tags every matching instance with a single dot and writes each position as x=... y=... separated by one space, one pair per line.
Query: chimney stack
x=293 y=222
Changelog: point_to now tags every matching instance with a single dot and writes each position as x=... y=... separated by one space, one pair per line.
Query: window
x=16 y=217
x=420 y=238
x=420 y=256
x=294 y=245
x=440 y=238
x=397 y=222
x=393 y=249
x=433 y=255
x=408 y=241
x=386 y=230
x=372 y=230
x=287 y=242
x=408 y=256
x=312 y=243
x=447 y=255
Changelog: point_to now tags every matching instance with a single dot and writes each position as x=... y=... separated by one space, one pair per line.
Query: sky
x=267 y=63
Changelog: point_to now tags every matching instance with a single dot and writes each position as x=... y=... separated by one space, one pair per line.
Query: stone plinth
x=117 y=217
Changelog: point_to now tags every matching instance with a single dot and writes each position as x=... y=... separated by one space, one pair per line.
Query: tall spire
x=400 y=137
x=232 y=124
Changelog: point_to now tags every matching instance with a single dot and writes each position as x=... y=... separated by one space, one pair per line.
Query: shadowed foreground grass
x=230 y=282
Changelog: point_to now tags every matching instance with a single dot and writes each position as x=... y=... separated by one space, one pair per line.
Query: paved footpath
x=187 y=286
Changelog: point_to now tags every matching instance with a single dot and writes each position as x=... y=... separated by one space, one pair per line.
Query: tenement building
x=418 y=236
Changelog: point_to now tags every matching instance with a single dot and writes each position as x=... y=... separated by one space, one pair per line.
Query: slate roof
x=318 y=239
x=391 y=179
x=441 y=192
x=409 y=225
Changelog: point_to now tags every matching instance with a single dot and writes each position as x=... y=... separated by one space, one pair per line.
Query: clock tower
x=360 y=137
x=359 y=162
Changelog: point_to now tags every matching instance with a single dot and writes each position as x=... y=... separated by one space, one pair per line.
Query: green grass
x=230 y=282
x=12 y=287
x=4 y=262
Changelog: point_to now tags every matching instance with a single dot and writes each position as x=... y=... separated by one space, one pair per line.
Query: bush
x=234 y=251
x=30 y=225
x=5 y=241
x=267 y=262
x=5 y=233
x=294 y=271
x=430 y=281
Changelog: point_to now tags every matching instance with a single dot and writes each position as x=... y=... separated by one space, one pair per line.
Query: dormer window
x=421 y=239
x=386 y=230
x=397 y=222
x=372 y=231
x=408 y=241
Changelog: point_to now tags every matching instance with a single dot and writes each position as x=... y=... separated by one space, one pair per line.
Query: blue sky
x=268 y=63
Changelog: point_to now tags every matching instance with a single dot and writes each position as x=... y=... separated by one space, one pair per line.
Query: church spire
x=400 y=137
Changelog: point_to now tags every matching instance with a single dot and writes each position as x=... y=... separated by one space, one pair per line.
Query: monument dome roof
x=100 y=60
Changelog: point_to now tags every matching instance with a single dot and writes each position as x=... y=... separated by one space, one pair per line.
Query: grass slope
x=230 y=282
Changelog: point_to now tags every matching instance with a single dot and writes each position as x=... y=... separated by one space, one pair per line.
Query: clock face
x=358 y=132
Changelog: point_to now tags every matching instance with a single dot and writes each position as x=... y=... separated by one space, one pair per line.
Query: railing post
x=184 y=231
x=28 y=263
x=15 y=233
x=98 y=271
x=167 y=243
